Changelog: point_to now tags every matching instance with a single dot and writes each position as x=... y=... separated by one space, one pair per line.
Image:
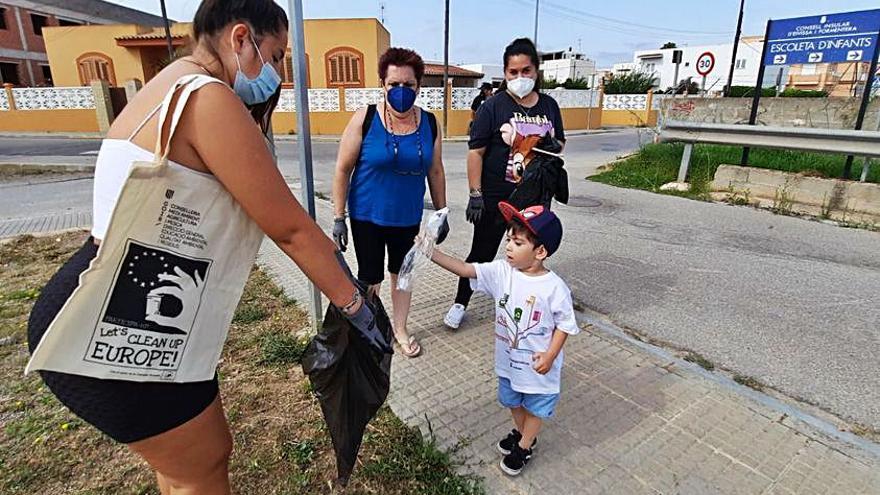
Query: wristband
x=348 y=309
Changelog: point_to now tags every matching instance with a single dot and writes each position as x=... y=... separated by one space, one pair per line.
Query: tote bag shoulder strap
x=184 y=87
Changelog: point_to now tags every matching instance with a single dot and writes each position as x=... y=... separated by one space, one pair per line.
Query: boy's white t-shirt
x=527 y=310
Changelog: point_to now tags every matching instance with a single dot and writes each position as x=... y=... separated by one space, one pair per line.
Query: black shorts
x=371 y=240
x=125 y=411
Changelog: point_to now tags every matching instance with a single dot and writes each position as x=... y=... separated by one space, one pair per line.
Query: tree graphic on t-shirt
x=515 y=334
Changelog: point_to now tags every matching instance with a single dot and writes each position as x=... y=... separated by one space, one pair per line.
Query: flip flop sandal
x=411 y=348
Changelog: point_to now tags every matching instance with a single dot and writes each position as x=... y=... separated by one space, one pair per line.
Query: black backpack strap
x=432 y=121
x=368 y=120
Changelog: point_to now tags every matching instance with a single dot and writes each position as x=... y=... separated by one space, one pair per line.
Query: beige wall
x=49 y=121
x=820 y=113
x=629 y=118
x=582 y=118
x=64 y=45
x=367 y=36
x=333 y=123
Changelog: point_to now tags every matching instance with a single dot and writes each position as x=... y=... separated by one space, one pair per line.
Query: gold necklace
x=198 y=64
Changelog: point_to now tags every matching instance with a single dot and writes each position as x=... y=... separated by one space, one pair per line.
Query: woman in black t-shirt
x=489 y=177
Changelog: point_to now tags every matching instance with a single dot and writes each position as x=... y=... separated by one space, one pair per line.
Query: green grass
x=22 y=295
x=281 y=349
x=282 y=444
x=657 y=164
x=748 y=381
x=410 y=459
x=698 y=359
x=249 y=313
x=301 y=452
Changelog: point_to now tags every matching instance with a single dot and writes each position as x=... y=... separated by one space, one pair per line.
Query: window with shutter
x=345 y=68
x=288 y=76
x=95 y=66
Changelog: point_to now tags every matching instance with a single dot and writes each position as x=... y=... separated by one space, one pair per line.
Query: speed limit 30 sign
x=705 y=63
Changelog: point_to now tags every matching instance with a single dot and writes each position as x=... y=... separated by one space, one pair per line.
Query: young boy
x=534 y=316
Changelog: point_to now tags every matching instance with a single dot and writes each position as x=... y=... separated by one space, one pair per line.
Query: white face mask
x=521 y=86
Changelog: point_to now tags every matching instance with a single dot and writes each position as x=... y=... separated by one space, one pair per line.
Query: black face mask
x=262 y=112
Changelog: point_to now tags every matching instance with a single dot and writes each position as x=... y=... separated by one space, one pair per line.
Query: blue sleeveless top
x=388 y=189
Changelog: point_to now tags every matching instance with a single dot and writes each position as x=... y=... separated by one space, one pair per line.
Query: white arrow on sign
x=779 y=59
x=815 y=58
x=854 y=55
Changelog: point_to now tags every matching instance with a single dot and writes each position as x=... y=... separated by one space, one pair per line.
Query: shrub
x=629 y=84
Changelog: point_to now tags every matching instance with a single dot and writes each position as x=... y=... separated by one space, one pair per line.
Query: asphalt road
x=790 y=302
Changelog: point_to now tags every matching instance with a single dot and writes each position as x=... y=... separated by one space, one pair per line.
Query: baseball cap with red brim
x=539 y=220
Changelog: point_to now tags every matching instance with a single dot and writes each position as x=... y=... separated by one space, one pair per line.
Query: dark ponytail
x=265 y=17
x=521 y=46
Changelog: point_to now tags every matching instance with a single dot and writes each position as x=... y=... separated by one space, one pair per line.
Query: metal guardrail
x=845 y=142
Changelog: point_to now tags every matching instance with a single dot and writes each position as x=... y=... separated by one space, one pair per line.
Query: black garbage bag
x=543 y=178
x=350 y=378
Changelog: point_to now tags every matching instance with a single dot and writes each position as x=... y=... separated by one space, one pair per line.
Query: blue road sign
x=845 y=37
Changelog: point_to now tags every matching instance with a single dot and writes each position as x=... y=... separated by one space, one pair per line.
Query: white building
x=748 y=58
x=492 y=73
x=563 y=65
x=623 y=68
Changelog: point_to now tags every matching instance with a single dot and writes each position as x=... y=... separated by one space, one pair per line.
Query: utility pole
x=739 y=23
x=446 y=72
x=537 y=4
x=304 y=136
x=167 y=32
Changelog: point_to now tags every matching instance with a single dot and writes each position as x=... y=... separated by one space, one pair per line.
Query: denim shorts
x=539 y=405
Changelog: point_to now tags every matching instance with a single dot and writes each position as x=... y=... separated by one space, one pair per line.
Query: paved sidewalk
x=629 y=421
x=56 y=222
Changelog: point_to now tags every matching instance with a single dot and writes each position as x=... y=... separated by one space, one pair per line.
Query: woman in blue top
x=386 y=153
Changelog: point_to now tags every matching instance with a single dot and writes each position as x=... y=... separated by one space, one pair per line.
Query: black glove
x=474 y=209
x=443 y=232
x=340 y=233
x=364 y=320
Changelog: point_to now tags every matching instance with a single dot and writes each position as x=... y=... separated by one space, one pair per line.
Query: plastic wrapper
x=350 y=379
x=420 y=254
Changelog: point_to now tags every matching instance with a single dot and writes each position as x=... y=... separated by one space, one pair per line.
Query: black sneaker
x=513 y=463
x=505 y=445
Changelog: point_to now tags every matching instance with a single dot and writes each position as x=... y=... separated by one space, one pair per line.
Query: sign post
x=304 y=137
x=823 y=39
x=676 y=59
x=863 y=108
x=705 y=64
x=756 y=98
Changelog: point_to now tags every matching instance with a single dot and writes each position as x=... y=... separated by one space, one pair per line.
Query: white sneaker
x=454 y=316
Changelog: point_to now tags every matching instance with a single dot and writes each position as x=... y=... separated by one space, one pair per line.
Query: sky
x=606 y=31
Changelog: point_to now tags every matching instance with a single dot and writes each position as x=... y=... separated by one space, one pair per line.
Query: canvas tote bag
x=157 y=301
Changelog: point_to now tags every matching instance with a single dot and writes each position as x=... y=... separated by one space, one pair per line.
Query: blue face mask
x=260 y=89
x=401 y=98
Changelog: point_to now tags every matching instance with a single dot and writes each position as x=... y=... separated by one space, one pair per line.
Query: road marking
x=92 y=153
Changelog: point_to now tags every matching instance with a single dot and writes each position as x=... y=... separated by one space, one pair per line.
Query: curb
x=446 y=139
x=278 y=137
x=787 y=406
x=31 y=168
x=64 y=135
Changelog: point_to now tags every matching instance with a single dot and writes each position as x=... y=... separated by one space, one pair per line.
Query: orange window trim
x=95 y=65
x=344 y=67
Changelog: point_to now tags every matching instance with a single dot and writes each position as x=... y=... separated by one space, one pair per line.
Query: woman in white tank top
x=242 y=46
